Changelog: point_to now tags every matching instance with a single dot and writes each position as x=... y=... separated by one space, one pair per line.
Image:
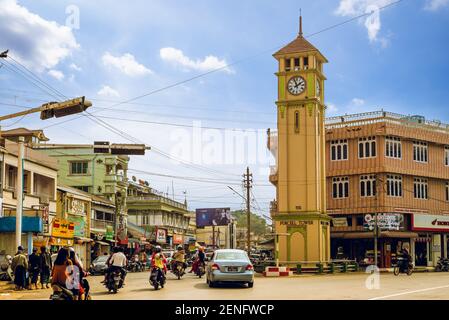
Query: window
x=393 y=147
x=446 y=155
x=368 y=186
x=78 y=167
x=339 y=150
x=296 y=64
x=420 y=151
x=394 y=185
x=360 y=220
x=420 y=188
x=306 y=63
x=287 y=64
x=297 y=121
x=12 y=178
x=367 y=147
x=83 y=188
x=447 y=191
x=340 y=187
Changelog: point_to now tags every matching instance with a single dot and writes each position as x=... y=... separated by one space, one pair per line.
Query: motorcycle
x=200 y=271
x=61 y=294
x=135 y=266
x=403 y=267
x=6 y=273
x=157 y=278
x=114 y=281
x=178 y=269
x=442 y=265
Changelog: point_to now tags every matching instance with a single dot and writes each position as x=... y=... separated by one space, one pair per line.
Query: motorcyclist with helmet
x=179 y=257
x=159 y=262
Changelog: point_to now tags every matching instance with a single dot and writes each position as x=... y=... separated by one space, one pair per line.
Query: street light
x=47 y=110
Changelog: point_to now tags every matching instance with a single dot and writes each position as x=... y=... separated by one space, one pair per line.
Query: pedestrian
x=45 y=267
x=34 y=268
x=20 y=267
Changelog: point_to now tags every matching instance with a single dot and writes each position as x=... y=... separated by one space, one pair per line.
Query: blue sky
x=396 y=61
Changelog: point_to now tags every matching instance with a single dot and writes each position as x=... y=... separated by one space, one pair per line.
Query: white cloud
x=433 y=5
x=372 y=22
x=58 y=75
x=331 y=109
x=75 y=67
x=357 y=102
x=177 y=58
x=38 y=43
x=107 y=91
x=126 y=64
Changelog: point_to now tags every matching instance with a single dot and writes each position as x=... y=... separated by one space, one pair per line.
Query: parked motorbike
x=114 y=281
x=157 y=278
x=403 y=267
x=6 y=273
x=442 y=265
x=135 y=266
x=178 y=269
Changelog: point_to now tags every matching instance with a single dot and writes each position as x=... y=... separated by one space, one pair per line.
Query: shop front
x=432 y=242
x=62 y=234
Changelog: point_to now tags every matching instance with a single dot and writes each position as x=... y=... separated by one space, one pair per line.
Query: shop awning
x=102 y=243
x=83 y=239
x=369 y=235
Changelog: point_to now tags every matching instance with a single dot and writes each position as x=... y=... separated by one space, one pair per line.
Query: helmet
x=180 y=248
x=201 y=249
x=158 y=248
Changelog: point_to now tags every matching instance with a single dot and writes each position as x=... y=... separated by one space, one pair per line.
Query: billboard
x=385 y=221
x=213 y=217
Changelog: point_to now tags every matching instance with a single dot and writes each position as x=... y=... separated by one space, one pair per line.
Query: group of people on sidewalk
x=28 y=270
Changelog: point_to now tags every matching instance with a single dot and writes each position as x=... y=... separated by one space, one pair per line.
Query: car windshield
x=231 y=255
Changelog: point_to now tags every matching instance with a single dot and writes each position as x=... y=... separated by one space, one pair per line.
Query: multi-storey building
x=98 y=174
x=39 y=189
x=394 y=166
x=164 y=220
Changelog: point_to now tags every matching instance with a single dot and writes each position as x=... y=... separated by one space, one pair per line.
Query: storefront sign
x=177 y=239
x=161 y=235
x=78 y=207
x=62 y=229
x=340 y=222
x=385 y=221
x=80 y=226
x=109 y=233
x=429 y=222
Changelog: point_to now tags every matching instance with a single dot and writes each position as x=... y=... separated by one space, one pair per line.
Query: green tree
x=258 y=224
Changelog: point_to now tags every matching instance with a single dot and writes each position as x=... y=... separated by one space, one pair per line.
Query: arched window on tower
x=297 y=121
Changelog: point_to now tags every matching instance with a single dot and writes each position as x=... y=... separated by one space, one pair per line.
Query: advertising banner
x=213 y=217
x=178 y=239
x=109 y=233
x=79 y=226
x=62 y=228
x=161 y=235
x=385 y=221
x=430 y=222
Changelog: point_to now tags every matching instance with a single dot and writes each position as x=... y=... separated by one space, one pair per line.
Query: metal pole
x=248 y=208
x=375 y=240
x=19 y=210
x=277 y=250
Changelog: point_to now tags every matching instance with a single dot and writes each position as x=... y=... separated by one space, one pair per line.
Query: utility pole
x=375 y=239
x=247 y=181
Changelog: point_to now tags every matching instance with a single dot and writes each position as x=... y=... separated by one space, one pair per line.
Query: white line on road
x=408 y=292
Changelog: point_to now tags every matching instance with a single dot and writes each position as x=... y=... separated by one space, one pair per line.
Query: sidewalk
x=6 y=287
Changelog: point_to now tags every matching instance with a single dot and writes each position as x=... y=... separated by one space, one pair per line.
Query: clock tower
x=299 y=212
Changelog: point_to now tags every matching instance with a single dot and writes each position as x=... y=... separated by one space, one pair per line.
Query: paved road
x=340 y=286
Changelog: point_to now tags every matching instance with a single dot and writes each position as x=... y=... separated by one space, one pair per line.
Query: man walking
x=20 y=267
x=45 y=267
x=34 y=268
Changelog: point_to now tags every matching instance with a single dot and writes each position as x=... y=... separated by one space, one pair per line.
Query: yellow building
x=302 y=226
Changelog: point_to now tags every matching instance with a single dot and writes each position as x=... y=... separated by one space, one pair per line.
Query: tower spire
x=300 y=23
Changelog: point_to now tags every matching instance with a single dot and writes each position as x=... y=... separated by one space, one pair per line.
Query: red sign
x=177 y=239
x=428 y=222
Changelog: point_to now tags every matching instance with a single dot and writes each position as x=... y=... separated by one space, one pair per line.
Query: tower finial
x=300 y=23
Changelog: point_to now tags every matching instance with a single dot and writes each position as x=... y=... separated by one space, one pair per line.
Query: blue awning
x=29 y=224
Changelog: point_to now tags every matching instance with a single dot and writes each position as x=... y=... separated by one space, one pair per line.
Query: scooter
x=157 y=278
x=403 y=267
x=61 y=294
x=178 y=269
x=442 y=265
x=6 y=273
x=114 y=281
x=200 y=271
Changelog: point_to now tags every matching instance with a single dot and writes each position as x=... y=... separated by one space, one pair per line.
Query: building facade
x=39 y=189
x=99 y=174
x=164 y=220
x=395 y=167
x=299 y=211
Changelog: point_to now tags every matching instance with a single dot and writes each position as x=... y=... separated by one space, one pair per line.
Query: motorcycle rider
x=200 y=259
x=407 y=258
x=117 y=261
x=179 y=257
x=159 y=261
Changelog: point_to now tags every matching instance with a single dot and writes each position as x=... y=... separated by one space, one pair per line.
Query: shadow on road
x=204 y=286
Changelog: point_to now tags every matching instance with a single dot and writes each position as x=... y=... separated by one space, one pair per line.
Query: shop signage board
x=62 y=228
x=78 y=207
x=161 y=235
x=178 y=239
x=340 y=222
x=430 y=222
x=109 y=233
x=79 y=226
x=385 y=221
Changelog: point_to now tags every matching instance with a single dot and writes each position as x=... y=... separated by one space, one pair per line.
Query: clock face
x=318 y=89
x=296 y=85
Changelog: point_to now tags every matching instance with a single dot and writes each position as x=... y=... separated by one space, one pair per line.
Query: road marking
x=409 y=292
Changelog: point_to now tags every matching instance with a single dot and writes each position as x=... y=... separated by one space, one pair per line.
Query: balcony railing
x=101 y=224
x=158 y=199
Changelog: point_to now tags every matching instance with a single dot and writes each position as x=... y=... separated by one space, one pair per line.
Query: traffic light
x=128 y=149
x=65 y=108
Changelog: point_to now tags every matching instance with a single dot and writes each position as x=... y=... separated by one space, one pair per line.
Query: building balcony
x=154 y=200
x=273 y=175
x=101 y=225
